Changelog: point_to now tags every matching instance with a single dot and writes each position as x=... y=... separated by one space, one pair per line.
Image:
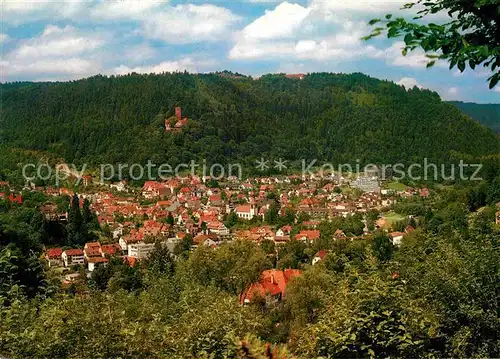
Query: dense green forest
x=487 y=114
x=335 y=118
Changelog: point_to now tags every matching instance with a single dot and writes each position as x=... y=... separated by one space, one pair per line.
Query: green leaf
x=393 y=32
x=373 y=21
x=430 y=63
x=388 y=16
x=461 y=65
x=494 y=80
x=408 y=38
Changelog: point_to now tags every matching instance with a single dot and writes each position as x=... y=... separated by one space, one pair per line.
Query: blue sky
x=71 y=39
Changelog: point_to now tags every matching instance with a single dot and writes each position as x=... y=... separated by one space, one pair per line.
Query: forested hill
x=487 y=114
x=331 y=117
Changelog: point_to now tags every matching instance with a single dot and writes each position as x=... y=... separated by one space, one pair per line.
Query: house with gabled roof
x=217 y=227
x=270 y=287
x=53 y=257
x=246 y=211
x=308 y=235
x=319 y=256
x=73 y=257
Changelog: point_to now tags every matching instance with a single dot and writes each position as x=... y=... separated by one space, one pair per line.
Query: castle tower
x=178 y=113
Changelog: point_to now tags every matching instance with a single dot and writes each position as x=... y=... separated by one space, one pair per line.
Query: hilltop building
x=179 y=121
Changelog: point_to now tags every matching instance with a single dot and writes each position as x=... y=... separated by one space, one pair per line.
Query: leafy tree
x=369 y=315
x=231 y=220
x=382 y=247
x=292 y=255
x=272 y=214
x=184 y=246
x=470 y=38
x=116 y=275
x=233 y=266
x=268 y=246
x=77 y=232
x=170 y=219
x=160 y=261
x=308 y=295
x=24 y=271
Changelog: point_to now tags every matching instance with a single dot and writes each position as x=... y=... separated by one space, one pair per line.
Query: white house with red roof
x=246 y=211
x=308 y=235
x=396 y=238
x=53 y=257
x=283 y=234
x=320 y=256
x=218 y=228
x=92 y=249
x=73 y=257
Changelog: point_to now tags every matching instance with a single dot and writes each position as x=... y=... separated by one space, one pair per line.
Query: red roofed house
x=131 y=238
x=16 y=199
x=396 y=238
x=246 y=211
x=131 y=261
x=320 y=256
x=152 y=228
x=217 y=227
x=109 y=250
x=339 y=234
x=73 y=257
x=153 y=189
x=92 y=249
x=271 y=286
x=308 y=235
x=53 y=256
x=283 y=234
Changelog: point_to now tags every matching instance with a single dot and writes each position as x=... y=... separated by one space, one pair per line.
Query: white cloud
x=56 y=41
x=323 y=30
x=409 y=83
x=69 y=66
x=363 y=6
x=373 y=8
x=190 y=23
x=281 y=22
x=450 y=94
x=496 y=88
x=291 y=30
x=304 y=33
x=18 y=12
x=139 y=53
x=3 y=38
x=186 y=64
x=58 y=53
x=414 y=59
x=125 y=9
